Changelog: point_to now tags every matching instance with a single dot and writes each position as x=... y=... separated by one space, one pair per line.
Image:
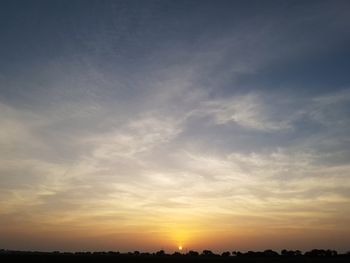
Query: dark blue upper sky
x=299 y=46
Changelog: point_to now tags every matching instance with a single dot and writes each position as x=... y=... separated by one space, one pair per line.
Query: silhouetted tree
x=207 y=253
x=113 y=253
x=321 y=253
x=331 y=253
x=226 y=254
x=270 y=253
x=291 y=253
x=237 y=253
x=251 y=253
x=193 y=253
x=160 y=253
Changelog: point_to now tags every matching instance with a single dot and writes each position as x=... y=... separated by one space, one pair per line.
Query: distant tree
x=193 y=253
x=177 y=254
x=207 y=253
x=270 y=253
x=136 y=253
x=291 y=253
x=160 y=253
x=321 y=253
x=251 y=253
x=331 y=253
x=226 y=254
x=97 y=253
x=237 y=253
x=113 y=253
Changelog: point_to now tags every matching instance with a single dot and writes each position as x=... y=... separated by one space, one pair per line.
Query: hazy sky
x=146 y=125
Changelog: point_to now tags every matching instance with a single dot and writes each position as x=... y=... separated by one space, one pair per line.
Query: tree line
x=191 y=253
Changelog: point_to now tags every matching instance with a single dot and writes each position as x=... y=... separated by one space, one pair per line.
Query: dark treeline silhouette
x=315 y=255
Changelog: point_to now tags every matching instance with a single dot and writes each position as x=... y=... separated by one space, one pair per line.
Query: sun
x=180 y=247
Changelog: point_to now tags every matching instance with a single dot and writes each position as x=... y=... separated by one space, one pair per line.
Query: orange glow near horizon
x=194 y=237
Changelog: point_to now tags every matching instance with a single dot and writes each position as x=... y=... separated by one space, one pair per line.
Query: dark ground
x=109 y=257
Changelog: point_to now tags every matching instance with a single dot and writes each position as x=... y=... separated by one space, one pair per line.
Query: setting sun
x=180 y=247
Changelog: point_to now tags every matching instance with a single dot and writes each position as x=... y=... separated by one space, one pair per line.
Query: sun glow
x=181 y=237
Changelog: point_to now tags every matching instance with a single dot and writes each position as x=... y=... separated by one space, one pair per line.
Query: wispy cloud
x=248 y=111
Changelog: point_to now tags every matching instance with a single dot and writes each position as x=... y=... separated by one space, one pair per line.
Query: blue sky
x=179 y=122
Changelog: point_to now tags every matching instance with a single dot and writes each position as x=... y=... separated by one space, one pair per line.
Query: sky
x=146 y=125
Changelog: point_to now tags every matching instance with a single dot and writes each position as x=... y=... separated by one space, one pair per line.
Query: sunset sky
x=146 y=125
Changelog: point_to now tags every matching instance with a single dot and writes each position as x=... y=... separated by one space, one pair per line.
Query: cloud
x=145 y=166
x=248 y=111
x=331 y=109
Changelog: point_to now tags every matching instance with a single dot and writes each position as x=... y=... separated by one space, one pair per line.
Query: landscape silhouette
x=314 y=255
